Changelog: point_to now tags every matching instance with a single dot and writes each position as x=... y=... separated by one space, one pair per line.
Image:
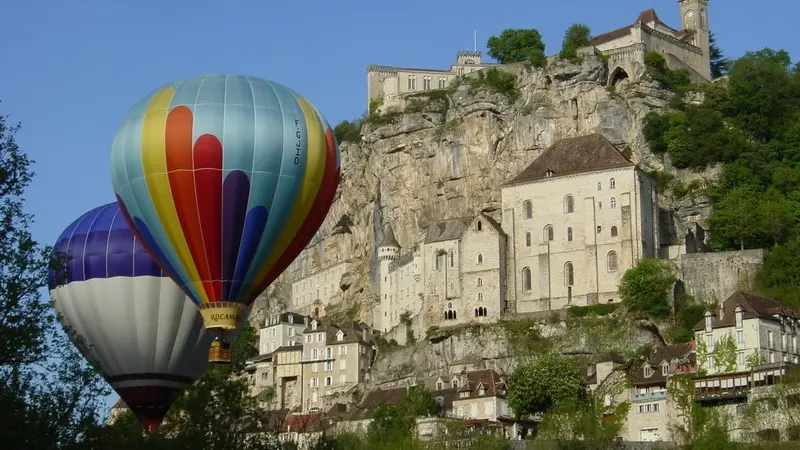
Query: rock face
x=447 y=160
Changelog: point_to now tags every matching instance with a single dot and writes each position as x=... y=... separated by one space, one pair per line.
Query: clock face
x=690 y=14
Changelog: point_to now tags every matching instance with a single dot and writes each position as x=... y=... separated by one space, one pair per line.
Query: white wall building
x=764 y=332
x=580 y=215
x=311 y=294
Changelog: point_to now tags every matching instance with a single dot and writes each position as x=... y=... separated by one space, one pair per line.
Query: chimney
x=364 y=334
x=721 y=310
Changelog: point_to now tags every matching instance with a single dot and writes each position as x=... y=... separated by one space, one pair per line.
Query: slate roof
x=753 y=306
x=571 y=156
x=447 y=230
x=681 y=352
x=388 y=238
x=493 y=384
x=646 y=16
x=353 y=331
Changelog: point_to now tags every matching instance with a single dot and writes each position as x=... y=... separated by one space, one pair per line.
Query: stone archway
x=619 y=75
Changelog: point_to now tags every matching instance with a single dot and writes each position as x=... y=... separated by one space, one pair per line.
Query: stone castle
x=687 y=48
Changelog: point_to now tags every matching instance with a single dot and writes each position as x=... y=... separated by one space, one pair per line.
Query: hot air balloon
x=225 y=178
x=128 y=319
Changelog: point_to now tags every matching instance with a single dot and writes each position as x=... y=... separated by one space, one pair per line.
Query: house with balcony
x=652 y=413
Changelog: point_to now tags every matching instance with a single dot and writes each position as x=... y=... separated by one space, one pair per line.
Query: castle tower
x=694 y=16
x=388 y=251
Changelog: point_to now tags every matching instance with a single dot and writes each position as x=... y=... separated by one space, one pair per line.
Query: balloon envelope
x=128 y=319
x=226 y=178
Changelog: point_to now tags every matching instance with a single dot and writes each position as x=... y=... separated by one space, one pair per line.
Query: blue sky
x=70 y=70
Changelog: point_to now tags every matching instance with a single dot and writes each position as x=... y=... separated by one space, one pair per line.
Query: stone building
x=312 y=293
x=455 y=275
x=281 y=330
x=687 y=48
x=579 y=216
x=335 y=359
x=653 y=415
x=386 y=83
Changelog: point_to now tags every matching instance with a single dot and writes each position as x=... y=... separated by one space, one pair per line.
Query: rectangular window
x=442 y=82
x=412 y=82
x=291 y=332
x=314 y=353
x=739 y=318
x=342 y=350
x=770 y=340
x=710 y=342
x=426 y=83
x=328 y=366
x=343 y=378
x=328 y=381
x=740 y=337
x=329 y=352
x=314 y=367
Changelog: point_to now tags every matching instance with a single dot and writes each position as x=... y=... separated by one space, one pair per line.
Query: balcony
x=649 y=396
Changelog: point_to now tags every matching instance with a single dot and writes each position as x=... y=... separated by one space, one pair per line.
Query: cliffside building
x=386 y=83
x=579 y=216
x=312 y=293
x=687 y=48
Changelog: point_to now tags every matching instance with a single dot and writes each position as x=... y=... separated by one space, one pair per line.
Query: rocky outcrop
x=446 y=156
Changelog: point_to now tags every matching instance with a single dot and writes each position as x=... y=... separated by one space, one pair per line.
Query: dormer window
x=340 y=335
x=439 y=385
x=648 y=371
x=549 y=173
x=739 y=317
x=313 y=324
x=709 y=321
x=454 y=383
x=481 y=390
x=664 y=368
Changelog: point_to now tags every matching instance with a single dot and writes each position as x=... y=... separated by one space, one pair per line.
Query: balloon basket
x=220 y=351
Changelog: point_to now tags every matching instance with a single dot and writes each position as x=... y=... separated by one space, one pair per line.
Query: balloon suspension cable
x=220 y=351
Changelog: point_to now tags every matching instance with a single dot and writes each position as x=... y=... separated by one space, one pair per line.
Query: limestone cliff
x=426 y=159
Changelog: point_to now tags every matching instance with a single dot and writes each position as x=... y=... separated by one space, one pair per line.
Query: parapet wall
x=715 y=276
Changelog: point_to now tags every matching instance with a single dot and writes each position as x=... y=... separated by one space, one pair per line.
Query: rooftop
x=570 y=156
x=751 y=305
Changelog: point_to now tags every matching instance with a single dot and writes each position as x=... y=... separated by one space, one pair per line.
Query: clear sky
x=70 y=70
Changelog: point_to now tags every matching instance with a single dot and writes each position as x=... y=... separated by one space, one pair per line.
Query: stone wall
x=715 y=276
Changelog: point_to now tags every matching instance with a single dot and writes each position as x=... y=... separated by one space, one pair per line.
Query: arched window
x=569 y=233
x=449 y=305
x=480 y=296
x=526 y=279
x=480 y=281
x=569 y=274
x=599 y=205
x=612 y=184
x=452 y=260
x=548 y=233
x=611 y=258
x=613 y=203
x=527 y=239
x=599 y=186
x=527 y=209
x=480 y=258
x=569 y=204
x=480 y=225
x=613 y=231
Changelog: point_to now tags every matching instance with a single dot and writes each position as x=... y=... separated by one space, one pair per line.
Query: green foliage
x=719 y=63
x=525 y=337
x=645 y=288
x=576 y=36
x=600 y=309
x=779 y=277
x=49 y=397
x=498 y=81
x=724 y=354
x=518 y=45
x=374 y=105
x=347 y=131
x=544 y=383
x=657 y=68
x=686 y=315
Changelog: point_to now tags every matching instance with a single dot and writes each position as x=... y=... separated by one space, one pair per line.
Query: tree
x=779 y=277
x=50 y=396
x=517 y=45
x=719 y=63
x=645 y=287
x=539 y=385
x=347 y=131
x=576 y=36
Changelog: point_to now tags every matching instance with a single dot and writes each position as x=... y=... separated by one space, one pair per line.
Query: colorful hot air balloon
x=128 y=319
x=225 y=178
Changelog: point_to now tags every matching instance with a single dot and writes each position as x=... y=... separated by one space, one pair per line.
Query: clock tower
x=694 y=17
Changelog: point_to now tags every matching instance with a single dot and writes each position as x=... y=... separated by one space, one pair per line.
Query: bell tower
x=694 y=17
